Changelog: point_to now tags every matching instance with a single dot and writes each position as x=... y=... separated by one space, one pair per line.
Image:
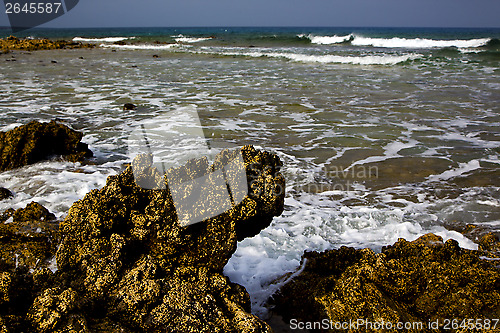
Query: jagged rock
x=408 y=282
x=126 y=262
x=5 y=193
x=37 y=141
x=28 y=237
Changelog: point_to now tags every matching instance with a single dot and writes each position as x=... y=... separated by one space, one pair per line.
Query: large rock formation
x=37 y=141
x=126 y=264
x=410 y=282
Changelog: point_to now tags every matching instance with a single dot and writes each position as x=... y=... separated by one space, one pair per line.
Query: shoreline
x=72 y=240
x=372 y=154
x=27 y=44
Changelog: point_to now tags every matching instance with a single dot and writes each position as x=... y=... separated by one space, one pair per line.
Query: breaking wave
x=397 y=42
x=101 y=40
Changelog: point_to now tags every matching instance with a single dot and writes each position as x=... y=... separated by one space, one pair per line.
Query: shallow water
x=378 y=142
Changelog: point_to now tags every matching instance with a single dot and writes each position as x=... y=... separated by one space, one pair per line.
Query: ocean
x=384 y=132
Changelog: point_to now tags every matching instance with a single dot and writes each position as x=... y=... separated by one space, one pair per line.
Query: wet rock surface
x=37 y=141
x=28 y=241
x=28 y=237
x=126 y=264
x=5 y=193
x=14 y=43
x=408 y=282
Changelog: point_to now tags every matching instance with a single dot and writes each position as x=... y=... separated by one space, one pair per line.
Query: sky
x=335 y=13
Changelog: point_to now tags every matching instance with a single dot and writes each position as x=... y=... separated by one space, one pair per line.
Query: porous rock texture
x=28 y=241
x=37 y=141
x=126 y=264
x=420 y=281
x=28 y=237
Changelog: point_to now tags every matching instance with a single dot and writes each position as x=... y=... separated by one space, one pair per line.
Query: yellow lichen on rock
x=25 y=44
x=409 y=282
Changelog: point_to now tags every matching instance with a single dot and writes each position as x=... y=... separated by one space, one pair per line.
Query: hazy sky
x=359 y=13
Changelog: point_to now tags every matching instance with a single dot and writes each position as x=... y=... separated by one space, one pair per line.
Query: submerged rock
x=37 y=141
x=127 y=264
x=418 y=281
x=129 y=106
x=5 y=193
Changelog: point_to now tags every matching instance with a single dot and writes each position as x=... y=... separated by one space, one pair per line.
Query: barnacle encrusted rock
x=26 y=44
x=417 y=281
x=28 y=237
x=37 y=141
x=127 y=263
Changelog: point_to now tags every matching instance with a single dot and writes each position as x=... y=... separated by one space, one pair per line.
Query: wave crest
x=140 y=46
x=101 y=40
x=419 y=43
x=397 y=42
x=187 y=39
x=327 y=40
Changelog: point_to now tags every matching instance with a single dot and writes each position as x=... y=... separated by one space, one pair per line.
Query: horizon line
x=257 y=26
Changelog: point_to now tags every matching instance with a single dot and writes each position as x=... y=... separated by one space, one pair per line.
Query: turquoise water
x=384 y=133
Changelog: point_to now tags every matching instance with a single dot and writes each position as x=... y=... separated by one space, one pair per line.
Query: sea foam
x=326 y=40
x=323 y=59
x=397 y=42
x=187 y=39
x=140 y=46
x=101 y=40
x=417 y=43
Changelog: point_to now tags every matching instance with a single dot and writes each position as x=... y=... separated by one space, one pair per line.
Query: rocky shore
x=424 y=281
x=37 y=141
x=25 y=44
x=121 y=261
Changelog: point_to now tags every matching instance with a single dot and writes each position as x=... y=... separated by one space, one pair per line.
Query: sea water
x=383 y=133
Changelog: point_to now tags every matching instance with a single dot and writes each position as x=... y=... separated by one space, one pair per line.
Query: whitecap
x=140 y=46
x=101 y=40
x=422 y=43
x=327 y=40
x=187 y=39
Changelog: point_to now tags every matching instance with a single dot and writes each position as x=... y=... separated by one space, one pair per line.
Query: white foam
x=313 y=222
x=420 y=43
x=463 y=168
x=101 y=40
x=492 y=203
x=140 y=46
x=353 y=60
x=324 y=59
x=55 y=185
x=327 y=40
x=187 y=39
